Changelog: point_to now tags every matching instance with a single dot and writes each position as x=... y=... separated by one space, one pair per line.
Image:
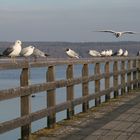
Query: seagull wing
x=7 y=51
x=24 y=51
x=128 y=32
x=38 y=53
x=74 y=53
x=108 y=31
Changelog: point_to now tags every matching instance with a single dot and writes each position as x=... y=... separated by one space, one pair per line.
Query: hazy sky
x=68 y=20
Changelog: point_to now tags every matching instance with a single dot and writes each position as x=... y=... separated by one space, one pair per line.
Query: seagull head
x=32 y=47
x=67 y=49
x=18 y=42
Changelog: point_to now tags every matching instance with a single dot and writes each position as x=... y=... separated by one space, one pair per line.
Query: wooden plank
x=51 y=99
x=25 y=103
x=107 y=80
x=97 y=83
x=85 y=89
x=70 y=91
x=6 y=64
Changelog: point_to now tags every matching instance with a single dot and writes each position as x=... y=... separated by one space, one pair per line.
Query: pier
x=123 y=88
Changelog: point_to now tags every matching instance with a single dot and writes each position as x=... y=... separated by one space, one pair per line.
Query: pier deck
x=118 y=119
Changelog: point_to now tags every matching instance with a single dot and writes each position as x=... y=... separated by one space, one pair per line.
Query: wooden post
x=139 y=73
x=134 y=75
x=115 y=78
x=25 y=104
x=97 y=84
x=70 y=91
x=107 y=78
x=129 y=76
x=51 y=97
x=123 y=77
x=85 y=90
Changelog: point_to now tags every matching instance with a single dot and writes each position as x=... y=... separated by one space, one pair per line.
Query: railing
x=130 y=68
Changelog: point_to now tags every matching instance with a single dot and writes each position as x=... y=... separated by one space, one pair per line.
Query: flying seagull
x=27 y=51
x=117 y=34
x=72 y=53
x=38 y=53
x=13 y=51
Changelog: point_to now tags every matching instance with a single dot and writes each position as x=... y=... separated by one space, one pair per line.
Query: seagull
x=125 y=53
x=38 y=53
x=118 y=34
x=13 y=51
x=27 y=51
x=108 y=52
x=103 y=53
x=72 y=53
x=120 y=52
x=94 y=53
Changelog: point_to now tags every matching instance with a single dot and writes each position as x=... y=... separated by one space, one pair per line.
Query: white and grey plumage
x=103 y=53
x=72 y=53
x=27 y=51
x=120 y=52
x=39 y=53
x=14 y=50
x=107 y=53
x=117 y=34
x=125 y=53
x=94 y=53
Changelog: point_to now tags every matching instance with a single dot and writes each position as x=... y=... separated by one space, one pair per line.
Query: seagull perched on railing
x=38 y=53
x=94 y=53
x=117 y=34
x=72 y=53
x=27 y=51
x=13 y=51
x=125 y=53
x=120 y=52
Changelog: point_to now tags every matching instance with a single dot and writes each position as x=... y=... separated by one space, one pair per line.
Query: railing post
x=138 y=73
x=25 y=104
x=129 y=76
x=70 y=91
x=85 y=90
x=107 y=78
x=115 y=78
x=134 y=75
x=97 y=84
x=51 y=97
x=123 y=77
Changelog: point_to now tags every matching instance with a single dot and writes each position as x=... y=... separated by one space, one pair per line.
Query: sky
x=68 y=20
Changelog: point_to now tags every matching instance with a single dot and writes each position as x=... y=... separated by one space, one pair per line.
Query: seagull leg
x=14 y=60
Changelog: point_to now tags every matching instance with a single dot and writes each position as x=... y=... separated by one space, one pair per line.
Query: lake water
x=10 y=109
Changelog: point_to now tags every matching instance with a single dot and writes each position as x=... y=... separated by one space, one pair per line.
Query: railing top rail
x=21 y=63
